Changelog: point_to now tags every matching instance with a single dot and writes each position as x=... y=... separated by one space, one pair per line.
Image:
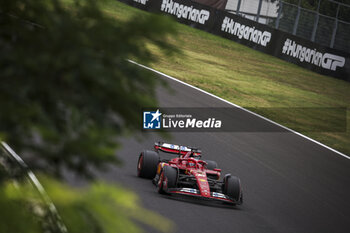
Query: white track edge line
x=237 y=106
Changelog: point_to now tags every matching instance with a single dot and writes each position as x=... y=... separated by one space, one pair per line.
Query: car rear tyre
x=168 y=179
x=232 y=188
x=147 y=164
x=211 y=164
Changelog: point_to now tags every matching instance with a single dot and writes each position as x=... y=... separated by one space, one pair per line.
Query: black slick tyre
x=232 y=188
x=168 y=179
x=211 y=164
x=147 y=164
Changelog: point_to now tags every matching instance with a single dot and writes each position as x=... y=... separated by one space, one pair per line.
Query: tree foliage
x=98 y=207
x=67 y=91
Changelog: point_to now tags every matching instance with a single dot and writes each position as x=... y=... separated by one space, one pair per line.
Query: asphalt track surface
x=290 y=184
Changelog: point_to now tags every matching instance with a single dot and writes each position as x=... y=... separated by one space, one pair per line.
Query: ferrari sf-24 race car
x=187 y=174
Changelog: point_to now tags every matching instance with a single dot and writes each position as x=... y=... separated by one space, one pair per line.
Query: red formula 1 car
x=187 y=174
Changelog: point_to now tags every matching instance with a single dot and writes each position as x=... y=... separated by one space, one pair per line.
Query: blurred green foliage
x=67 y=94
x=67 y=91
x=98 y=207
x=14 y=217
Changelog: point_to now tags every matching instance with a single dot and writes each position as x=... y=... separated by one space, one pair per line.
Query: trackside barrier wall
x=307 y=54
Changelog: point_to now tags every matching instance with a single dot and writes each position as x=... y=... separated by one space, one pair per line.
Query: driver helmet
x=195 y=155
x=191 y=164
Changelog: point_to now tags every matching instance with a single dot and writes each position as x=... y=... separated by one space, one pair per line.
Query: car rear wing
x=176 y=149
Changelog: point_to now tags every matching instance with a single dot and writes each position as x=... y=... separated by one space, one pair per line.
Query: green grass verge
x=249 y=78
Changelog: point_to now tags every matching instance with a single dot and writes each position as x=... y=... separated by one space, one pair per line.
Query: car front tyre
x=232 y=188
x=147 y=164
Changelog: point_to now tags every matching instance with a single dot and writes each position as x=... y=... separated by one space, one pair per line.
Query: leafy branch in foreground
x=96 y=208
x=67 y=91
